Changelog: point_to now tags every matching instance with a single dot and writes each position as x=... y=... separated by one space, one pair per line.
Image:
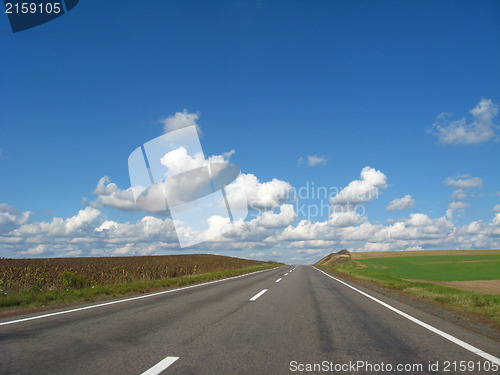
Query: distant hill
x=334 y=259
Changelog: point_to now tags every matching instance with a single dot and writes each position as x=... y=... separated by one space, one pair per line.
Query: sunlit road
x=282 y=321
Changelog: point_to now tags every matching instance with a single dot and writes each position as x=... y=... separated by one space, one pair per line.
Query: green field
x=437 y=276
x=436 y=268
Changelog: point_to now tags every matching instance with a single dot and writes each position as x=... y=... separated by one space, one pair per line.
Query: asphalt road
x=232 y=327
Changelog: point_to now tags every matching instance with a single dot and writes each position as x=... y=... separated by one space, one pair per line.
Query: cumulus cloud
x=418 y=231
x=181 y=120
x=78 y=225
x=260 y=195
x=312 y=160
x=36 y=251
x=461 y=183
x=418 y=220
x=458 y=205
x=285 y=217
x=464 y=182
x=481 y=129
x=459 y=195
x=11 y=218
x=179 y=161
x=154 y=199
x=311 y=244
x=305 y=230
x=309 y=251
x=401 y=203
x=345 y=218
x=273 y=232
x=109 y=195
x=363 y=190
x=89 y=232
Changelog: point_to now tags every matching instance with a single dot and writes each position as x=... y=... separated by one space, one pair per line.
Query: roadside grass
x=41 y=298
x=487 y=306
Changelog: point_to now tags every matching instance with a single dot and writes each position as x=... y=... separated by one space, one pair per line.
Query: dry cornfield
x=31 y=275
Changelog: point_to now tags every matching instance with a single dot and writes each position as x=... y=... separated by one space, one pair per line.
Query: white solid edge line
x=447 y=336
x=277 y=281
x=160 y=366
x=129 y=299
x=258 y=295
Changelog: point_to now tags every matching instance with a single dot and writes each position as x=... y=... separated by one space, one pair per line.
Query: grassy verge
x=35 y=299
x=487 y=306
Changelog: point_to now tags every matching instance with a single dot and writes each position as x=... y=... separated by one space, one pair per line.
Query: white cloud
x=273 y=233
x=181 y=120
x=178 y=161
x=362 y=190
x=454 y=206
x=401 y=203
x=312 y=160
x=305 y=230
x=418 y=220
x=378 y=246
x=459 y=195
x=345 y=218
x=260 y=195
x=464 y=182
x=90 y=233
x=458 y=205
x=284 y=218
x=11 y=218
x=481 y=129
x=78 y=225
x=36 y=251
x=321 y=244
x=153 y=200
x=461 y=183
x=109 y=195
x=309 y=251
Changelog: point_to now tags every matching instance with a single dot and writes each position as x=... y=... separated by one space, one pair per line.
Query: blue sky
x=408 y=90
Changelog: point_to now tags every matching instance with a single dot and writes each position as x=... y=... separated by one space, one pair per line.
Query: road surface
x=288 y=320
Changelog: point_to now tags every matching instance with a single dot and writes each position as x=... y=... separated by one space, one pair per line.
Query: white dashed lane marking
x=258 y=295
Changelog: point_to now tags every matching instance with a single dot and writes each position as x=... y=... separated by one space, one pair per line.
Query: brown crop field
x=426 y=253
x=37 y=275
